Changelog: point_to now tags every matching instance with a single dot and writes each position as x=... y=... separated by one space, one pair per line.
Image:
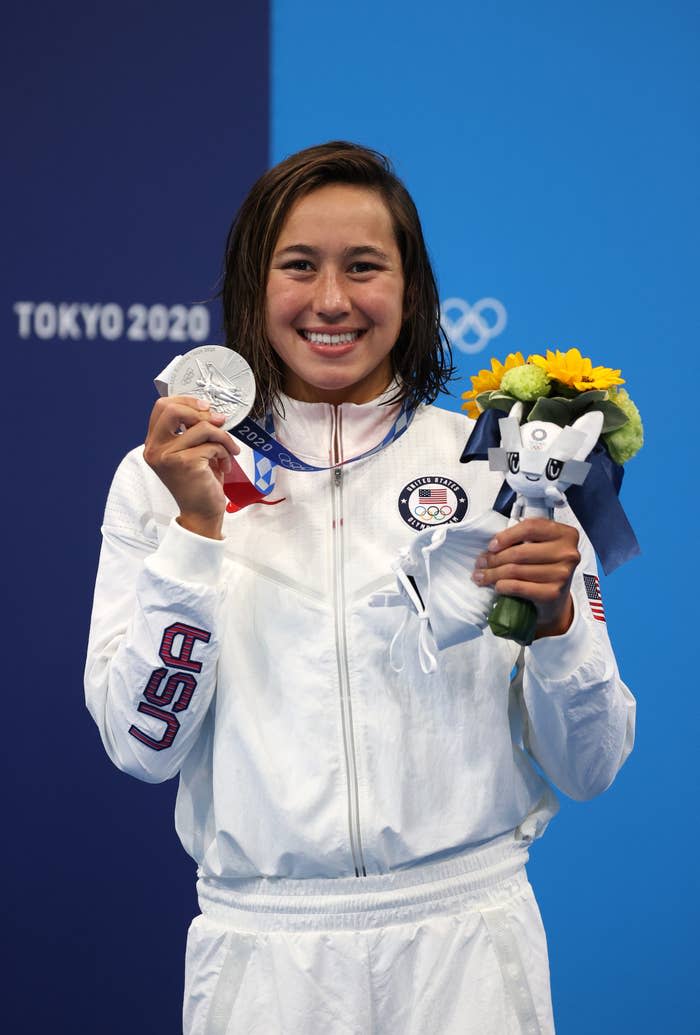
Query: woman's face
x=335 y=296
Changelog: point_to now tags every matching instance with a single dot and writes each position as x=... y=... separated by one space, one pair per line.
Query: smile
x=318 y=338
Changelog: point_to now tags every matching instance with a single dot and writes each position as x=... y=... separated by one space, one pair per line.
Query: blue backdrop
x=133 y=132
x=552 y=151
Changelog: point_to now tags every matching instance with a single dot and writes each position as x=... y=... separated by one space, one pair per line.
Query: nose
x=330 y=297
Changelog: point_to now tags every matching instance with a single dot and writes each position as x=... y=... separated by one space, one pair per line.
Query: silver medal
x=220 y=376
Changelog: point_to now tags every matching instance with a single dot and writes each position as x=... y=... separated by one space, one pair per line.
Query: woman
x=360 y=833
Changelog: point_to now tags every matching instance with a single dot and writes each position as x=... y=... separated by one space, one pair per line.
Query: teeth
x=330 y=339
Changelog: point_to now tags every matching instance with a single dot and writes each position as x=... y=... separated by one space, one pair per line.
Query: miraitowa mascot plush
x=540 y=461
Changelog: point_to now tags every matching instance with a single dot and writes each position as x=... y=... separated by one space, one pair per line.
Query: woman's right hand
x=191 y=454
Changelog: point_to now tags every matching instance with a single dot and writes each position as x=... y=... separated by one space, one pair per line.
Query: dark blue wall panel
x=132 y=132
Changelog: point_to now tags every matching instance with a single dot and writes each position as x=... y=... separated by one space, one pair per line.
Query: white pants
x=452 y=948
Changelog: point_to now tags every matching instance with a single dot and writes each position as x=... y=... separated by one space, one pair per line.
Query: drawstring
x=428 y=661
x=408 y=585
x=426 y=656
x=394 y=647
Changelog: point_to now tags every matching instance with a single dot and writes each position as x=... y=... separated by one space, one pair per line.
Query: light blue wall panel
x=553 y=153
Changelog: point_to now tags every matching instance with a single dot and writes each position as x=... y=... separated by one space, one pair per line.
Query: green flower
x=527 y=382
x=625 y=442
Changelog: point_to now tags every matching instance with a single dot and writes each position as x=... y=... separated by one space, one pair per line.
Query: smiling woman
x=335 y=296
x=347 y=225
x=360 y=828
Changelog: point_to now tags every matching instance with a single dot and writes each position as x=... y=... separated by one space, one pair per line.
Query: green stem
x=514 y=618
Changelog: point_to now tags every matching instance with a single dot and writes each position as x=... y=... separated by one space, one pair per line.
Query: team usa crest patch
x=431 y=501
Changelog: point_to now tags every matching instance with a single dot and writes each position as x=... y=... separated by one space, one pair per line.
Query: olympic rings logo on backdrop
x=471 y=327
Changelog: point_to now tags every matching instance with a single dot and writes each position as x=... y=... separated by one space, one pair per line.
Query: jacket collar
x=308 y=428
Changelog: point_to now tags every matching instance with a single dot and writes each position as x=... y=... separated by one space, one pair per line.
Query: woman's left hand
x=536 y=559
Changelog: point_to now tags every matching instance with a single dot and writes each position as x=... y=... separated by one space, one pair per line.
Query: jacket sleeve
x=152 y=653
x=578 y=715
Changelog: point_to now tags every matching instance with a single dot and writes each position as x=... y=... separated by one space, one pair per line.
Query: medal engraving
x=221 y=377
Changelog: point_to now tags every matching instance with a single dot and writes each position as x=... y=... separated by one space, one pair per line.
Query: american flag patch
x=438 y=494
x=595 y=599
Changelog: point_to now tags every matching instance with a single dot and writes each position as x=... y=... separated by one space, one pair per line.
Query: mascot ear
x=591 y=425
x=516 y=411
x=510 y=435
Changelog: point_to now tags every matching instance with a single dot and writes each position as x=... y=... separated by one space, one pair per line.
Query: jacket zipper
x=341 y=648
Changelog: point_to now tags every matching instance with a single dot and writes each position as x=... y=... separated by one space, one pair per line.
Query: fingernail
x=202 y=404
x=493 y=545
x=478 y=577
x=480 y=561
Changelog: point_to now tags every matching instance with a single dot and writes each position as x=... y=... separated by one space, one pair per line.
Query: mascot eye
x=553 y=469
x=514 y=462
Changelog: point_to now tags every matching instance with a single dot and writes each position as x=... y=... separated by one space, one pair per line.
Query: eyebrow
x=349 y=253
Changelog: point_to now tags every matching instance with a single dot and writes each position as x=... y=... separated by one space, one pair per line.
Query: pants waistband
x=476 y=879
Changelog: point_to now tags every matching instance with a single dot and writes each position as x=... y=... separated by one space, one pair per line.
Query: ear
x=510 y=434
x=591 y=424
x=516 y=411
x=498 y=459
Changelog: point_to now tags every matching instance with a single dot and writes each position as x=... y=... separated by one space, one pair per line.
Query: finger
x=555 y=611
x=543 y=595
x=212 y=453
x=558 y=575
x=549 y=552
x=179 y=464
x=195 y=401
x=532 y=530
x=172 y=411
x=175 y=419
x=201 y=432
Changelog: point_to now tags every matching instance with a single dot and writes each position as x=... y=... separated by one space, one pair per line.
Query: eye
x=298 y=265
x=514 y=462
x=363 y=267
x=553 y=469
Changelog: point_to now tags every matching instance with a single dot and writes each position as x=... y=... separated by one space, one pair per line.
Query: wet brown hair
x=421 y=357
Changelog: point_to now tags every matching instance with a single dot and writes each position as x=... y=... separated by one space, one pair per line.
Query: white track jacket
x=255 y=668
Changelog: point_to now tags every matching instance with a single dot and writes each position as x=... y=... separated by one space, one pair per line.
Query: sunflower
x=488 y=381
x=576 y=371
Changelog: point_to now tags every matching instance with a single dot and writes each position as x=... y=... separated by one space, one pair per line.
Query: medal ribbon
x=269 y=455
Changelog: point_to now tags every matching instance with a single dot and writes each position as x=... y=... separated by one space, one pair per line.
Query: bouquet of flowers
x=561 y=390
